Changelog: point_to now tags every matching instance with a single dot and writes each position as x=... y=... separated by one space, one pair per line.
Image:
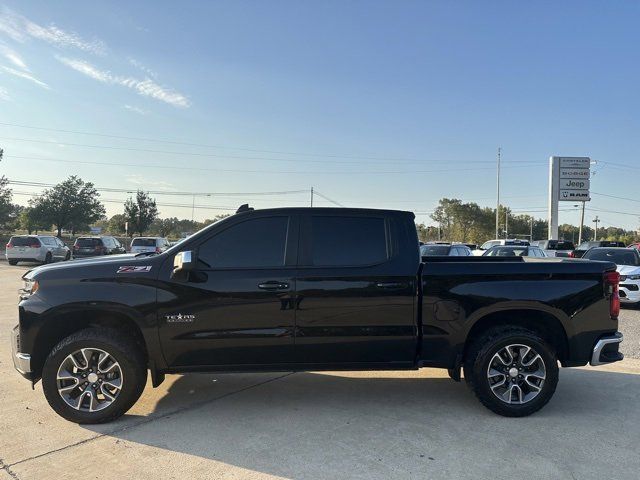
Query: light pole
x=193 y=205
x=498 y=191
x=595 y=233
x=581 y=224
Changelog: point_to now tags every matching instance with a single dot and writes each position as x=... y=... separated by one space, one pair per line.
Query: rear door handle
x=273 y=285
x=392 y=285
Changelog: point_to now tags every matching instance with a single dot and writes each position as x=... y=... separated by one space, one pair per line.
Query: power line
x=277 y=172
x=616 y=197
x=327 y=198
x=161 y=192
x=253 y=150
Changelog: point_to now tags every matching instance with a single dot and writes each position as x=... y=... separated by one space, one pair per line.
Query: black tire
x=122 y=349
x=479 y=358
x=13 y=262
x=48 y=258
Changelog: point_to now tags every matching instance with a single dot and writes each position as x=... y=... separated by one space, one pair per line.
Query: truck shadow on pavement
x=325 y=425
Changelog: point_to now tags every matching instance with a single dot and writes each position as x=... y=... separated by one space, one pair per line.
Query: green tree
x=72 y=204
x=140 y=213
x=116 y=224
x=32 y=219
x=7 y=209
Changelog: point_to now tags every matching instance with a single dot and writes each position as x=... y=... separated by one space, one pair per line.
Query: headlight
x=30 y=287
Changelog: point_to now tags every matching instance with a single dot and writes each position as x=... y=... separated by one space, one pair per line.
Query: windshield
x=618 y=256
x=143 y=242
x=560 y=245
x=24 y=241
x=434 y=250
x=507 y=252
x=88 y=242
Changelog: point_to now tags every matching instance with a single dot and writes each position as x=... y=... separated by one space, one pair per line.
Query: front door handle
x=273 y=285
x=392 y=285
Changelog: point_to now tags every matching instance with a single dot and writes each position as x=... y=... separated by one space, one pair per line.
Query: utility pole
x=595 y=234
x=506 y=223
x=581 y=224
x=193 y=207
x=531 y=232
x=498 y=191
x=312 y=196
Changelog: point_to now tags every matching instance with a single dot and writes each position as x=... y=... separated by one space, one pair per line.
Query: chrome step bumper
x=602 y=355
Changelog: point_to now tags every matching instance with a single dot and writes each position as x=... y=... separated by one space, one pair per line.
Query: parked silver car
x=149 y=244
x=36 y=248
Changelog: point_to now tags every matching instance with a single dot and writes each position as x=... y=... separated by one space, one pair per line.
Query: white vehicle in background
x=499 y=242
x=555 y=248
x=628 y=266
x=149 y=244
x=36 y=248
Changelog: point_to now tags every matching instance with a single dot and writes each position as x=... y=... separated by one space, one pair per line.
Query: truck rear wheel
x=94 y=376
x=512 y=371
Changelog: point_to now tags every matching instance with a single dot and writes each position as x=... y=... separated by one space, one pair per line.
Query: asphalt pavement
x=328 y=425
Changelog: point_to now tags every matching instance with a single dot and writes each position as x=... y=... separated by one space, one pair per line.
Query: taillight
x=158 y=250
x=611 y=281
x=76 y=247
x=9 y=245
x=572 y=255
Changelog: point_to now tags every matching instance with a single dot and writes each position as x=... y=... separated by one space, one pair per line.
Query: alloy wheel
x=516 y=374
x=89 y=379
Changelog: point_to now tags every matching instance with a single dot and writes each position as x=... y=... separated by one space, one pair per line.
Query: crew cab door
x=355 y=290
x=237 y=307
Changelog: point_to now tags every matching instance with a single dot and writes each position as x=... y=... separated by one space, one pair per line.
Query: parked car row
x=49 y=248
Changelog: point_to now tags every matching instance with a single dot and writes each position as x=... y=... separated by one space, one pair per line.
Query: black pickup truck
x=298 y=289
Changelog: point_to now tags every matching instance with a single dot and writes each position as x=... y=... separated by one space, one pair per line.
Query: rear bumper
x=21 y=361
x=606 y=350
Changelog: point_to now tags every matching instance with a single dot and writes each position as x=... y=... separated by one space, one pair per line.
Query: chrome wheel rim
x=89 y=379
x=516 y=374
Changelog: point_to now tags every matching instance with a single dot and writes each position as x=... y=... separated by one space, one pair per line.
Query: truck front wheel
x=512 y=371
x=94 y=376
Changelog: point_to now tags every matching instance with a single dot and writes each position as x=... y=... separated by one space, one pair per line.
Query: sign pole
x=498 y=193
x=554 y=173
x=581 y=224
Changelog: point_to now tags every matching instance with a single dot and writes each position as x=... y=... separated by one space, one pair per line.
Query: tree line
x=470 y=223
x=74 y=205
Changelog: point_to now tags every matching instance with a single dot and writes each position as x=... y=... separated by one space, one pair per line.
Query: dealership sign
x=569 y=181
x=573 y=178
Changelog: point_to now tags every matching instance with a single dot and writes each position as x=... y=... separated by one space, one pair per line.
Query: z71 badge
x=134 y=269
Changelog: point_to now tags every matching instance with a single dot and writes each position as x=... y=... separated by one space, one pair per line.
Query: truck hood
x=108 y=264
x=628 y=270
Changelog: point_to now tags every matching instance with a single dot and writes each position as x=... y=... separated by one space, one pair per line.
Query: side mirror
x=183 y=263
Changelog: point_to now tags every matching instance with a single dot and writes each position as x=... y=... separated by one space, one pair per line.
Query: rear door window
x=348 y=241
x=88 y=242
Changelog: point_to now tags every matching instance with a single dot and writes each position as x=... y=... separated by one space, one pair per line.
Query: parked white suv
x=149 y=244
x=36 y=248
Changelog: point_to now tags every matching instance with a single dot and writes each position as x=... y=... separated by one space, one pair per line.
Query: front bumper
x=606 y=350
x=629 y=291
x=21 y=361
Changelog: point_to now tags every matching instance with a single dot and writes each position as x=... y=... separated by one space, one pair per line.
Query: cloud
x=4 y=95
x=143 y=68
x=146 y=87
x=135 y=109
x=20 y=28
x=13 y=57
x=139 y=180
x=25 y=75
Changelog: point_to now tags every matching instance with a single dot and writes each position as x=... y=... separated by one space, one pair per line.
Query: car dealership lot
x=326 y=425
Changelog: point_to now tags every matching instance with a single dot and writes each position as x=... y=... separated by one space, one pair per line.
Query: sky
x=380 y=104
